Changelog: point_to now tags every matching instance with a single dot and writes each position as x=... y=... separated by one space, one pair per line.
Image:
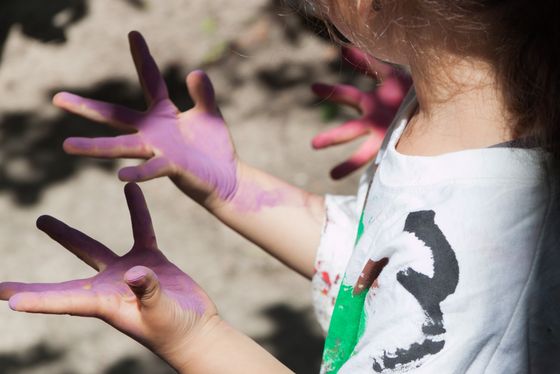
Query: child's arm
x=194 y=149
x=377 y=108
x=146 y=297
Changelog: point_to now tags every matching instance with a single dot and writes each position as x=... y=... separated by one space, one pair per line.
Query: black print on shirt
x=429 y=292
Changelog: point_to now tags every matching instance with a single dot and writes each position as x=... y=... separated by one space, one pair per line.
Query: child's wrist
x=215 y=202
x=210 y=197
x=219 y=348
x=189 y=353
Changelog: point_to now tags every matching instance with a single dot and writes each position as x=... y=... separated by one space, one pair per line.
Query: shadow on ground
x=34 y=357
x=294 y=341
x=44 y=21
x=134 y=365
x=31 y=155
x=44 y=357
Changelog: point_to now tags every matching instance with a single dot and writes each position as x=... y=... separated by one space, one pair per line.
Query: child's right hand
x=194 y=148
x=141 y=293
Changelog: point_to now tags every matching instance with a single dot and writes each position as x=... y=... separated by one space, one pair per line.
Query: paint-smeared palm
x=194 y=147
x=141 y=293
x=377 y=108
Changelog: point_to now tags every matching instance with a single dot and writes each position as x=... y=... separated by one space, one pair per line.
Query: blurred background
x=262 y=55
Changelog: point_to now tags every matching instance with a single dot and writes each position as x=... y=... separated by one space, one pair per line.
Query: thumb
x=145 y=285
x=201 y=91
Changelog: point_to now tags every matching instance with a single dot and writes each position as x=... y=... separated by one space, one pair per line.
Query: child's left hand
x=193 y=148
x=141 y=293
x=377 y=108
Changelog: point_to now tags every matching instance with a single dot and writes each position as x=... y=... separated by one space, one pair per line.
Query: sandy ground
x=262 y=81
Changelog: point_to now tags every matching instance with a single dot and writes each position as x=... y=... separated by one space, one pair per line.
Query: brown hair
x=520 y=39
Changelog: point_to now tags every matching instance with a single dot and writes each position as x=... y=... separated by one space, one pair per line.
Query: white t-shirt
x=456 y=268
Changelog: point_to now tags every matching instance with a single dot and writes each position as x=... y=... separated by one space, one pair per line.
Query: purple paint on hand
x=194 y=147
x=126 y=289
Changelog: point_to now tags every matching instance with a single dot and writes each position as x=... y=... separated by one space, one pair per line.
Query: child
x=453 y=267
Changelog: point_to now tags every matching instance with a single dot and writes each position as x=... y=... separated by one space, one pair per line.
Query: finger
x=85 y=248
x=153 y=168
x=130 y=146
x=145 y=285
x=341 y=134
x=340 y=93
x=366 y=64
x=365 y=153
x=142 y=228
x=114 y=115
x=8 y=289
x=76 y=302
x=150 y=78
x=201 y=91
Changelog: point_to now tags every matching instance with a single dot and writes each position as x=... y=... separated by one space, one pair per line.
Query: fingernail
x=66 y=97
x=135 y=276
x=12 y=303
x=319 y=141
x=127 y=175
x=77 y=143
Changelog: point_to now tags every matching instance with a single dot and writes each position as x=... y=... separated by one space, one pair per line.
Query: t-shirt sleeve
x=335 y=249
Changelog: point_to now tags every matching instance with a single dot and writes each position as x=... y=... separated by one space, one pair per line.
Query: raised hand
x=141 y=293
x=194 y=148
x=377 y=109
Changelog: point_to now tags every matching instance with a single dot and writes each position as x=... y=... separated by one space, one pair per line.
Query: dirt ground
x=262 y=58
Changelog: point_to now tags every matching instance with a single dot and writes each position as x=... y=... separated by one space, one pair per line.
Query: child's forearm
x=280 y=218
x=219 y=348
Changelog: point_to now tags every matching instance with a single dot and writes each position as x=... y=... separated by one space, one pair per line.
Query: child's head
x=518 y=39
